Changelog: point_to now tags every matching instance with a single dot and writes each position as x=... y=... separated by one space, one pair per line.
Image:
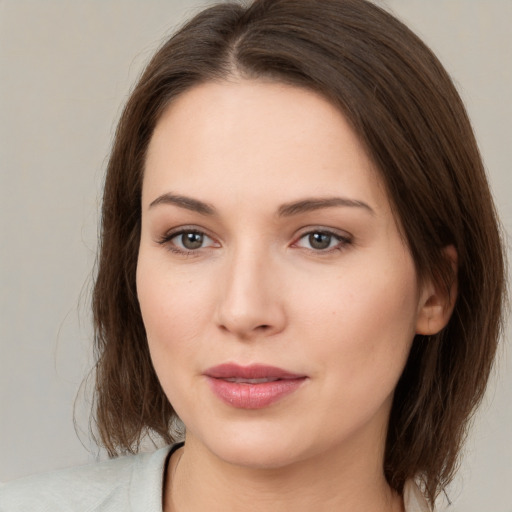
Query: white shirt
x=127 y=484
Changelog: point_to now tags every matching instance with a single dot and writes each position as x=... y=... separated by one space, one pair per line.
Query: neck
x=198 y=480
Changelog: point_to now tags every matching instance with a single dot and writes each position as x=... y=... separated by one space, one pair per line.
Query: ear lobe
x=438 y=300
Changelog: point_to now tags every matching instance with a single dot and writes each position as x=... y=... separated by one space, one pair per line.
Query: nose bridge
x=249 y=301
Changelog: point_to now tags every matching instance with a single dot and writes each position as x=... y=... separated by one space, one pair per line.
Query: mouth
x=252 y=387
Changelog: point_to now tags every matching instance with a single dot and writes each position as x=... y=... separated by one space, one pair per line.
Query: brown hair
x=405 y=109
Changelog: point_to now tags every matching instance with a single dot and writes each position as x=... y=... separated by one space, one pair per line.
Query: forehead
x=257 y=139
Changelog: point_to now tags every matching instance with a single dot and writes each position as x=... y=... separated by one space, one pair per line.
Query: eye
x=187 y=241
x=322 y=241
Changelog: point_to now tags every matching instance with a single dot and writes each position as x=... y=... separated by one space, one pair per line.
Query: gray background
x=66 y=68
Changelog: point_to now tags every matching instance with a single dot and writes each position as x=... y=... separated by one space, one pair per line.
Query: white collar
x=414 y=500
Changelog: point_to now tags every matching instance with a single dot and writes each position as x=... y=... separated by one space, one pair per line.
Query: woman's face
x=279 y=299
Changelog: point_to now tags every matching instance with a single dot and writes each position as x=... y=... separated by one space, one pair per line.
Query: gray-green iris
x=319 y=240
x=192 y=240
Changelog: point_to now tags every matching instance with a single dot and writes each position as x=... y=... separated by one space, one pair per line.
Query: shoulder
x=125 y=483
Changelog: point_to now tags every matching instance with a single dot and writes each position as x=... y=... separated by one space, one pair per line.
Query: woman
x=300 y=259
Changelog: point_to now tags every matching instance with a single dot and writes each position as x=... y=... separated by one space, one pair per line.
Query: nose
x=251 y=297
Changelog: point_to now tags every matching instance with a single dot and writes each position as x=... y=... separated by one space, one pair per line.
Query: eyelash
x=342 y=241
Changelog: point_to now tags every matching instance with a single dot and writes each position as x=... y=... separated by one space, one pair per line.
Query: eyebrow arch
x=311 y=204
x=184 y=202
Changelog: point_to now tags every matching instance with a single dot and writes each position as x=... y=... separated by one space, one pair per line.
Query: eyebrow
x=285 y=210
x=311 y=204
x=184 y=202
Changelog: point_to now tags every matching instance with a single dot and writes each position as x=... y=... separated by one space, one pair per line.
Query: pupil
x=192 y=240
x=319 y=240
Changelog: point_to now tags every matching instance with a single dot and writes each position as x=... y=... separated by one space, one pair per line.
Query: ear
x=437 y=301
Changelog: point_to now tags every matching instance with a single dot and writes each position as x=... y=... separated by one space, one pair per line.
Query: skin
x=257 y=290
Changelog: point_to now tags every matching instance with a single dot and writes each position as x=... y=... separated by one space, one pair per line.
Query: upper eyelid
x=171 y=233
x=338 y=233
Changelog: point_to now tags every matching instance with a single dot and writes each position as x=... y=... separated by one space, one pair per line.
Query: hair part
x=405 y=109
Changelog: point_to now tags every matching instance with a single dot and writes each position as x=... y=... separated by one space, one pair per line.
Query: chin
x=256 y=448
x=257 y=456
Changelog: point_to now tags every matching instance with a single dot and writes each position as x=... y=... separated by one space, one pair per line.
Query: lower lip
x=253 y=396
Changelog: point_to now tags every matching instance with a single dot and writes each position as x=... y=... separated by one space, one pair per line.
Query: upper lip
x=253 y=371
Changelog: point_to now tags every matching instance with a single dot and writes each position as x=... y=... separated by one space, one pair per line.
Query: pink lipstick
x=252 y=387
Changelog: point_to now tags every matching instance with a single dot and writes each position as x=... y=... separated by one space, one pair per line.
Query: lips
x=252 y=387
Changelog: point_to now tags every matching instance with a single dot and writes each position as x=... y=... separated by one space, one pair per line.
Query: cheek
x=175 y=307
x=170 y=330
x=166 y=295
x=360 y=328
